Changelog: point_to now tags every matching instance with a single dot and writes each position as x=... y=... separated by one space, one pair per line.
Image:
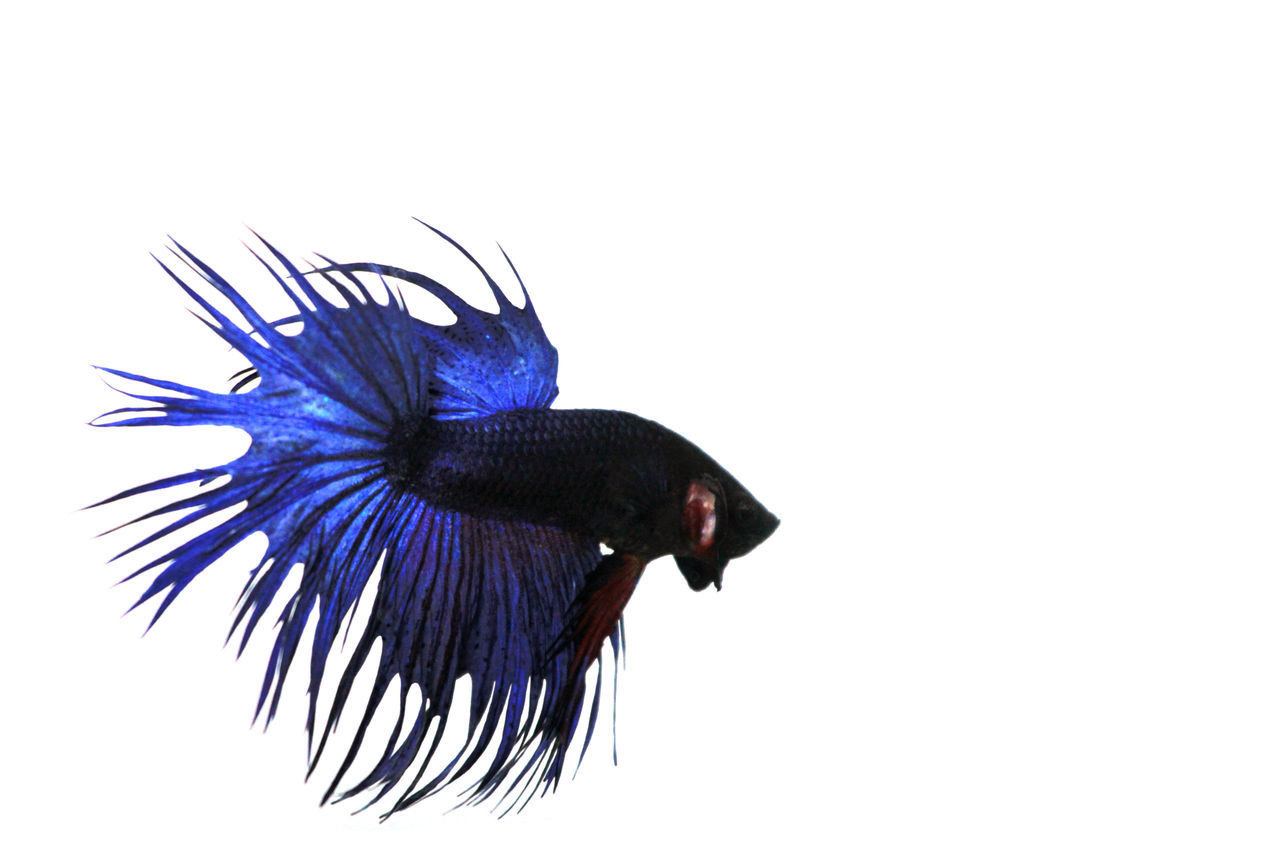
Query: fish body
x=424 y=463
x=612 y=476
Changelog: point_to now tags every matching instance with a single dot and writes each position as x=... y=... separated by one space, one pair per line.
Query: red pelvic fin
x=598 y=607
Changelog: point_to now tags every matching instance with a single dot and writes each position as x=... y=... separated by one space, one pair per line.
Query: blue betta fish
x=433 y=451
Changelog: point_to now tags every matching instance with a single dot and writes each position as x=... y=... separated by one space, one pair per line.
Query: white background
x=981 y=299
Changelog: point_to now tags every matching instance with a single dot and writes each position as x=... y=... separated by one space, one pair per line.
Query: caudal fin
x=454 y=594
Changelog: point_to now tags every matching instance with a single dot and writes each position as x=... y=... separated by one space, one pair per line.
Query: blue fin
x=456 y=595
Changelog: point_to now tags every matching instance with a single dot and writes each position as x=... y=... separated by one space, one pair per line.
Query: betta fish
x=424 y=462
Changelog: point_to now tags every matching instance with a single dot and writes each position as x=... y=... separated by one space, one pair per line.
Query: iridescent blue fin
x=456 y=595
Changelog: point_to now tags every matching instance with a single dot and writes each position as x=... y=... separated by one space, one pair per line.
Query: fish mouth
x=745 y=537
x=766 y=526
x=700 y=573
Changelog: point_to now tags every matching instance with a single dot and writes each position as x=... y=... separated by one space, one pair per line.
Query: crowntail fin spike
x=503 y=302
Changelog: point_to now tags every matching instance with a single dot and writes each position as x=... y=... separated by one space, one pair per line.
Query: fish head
x=721 y=521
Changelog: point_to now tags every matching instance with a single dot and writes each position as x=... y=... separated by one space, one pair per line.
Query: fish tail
x=330 y=411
